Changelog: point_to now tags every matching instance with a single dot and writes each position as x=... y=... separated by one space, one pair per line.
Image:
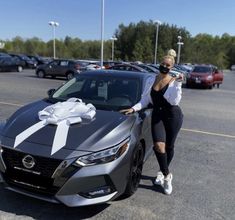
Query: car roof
x=118 y=73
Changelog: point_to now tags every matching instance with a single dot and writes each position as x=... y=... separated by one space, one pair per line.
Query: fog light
x=98 y=192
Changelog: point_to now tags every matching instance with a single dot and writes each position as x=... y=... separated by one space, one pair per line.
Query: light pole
x=113 y=39
x=54 y=25
x=179 y=48
x=102 y=35
x=157 y=28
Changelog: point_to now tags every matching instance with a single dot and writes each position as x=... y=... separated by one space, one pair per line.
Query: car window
x=104 y=92
x=202 y=69
x=54 y=63
x=64 y=63
x=117 y=68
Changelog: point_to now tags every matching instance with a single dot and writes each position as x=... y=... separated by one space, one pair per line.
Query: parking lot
x=203 y=166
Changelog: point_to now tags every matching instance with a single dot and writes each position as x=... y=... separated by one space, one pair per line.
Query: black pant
x=166 y=124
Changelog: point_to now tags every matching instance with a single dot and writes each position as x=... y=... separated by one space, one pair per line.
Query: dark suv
x=26 y=61
x=8 y=63
x=59 y=67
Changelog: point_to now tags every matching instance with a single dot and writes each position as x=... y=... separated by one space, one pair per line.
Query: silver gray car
x=78 y=158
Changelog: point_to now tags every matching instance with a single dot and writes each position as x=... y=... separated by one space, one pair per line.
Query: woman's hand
x=180 y=77
x=127 y=111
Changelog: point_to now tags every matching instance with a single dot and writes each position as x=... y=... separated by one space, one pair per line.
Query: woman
x=164 y=92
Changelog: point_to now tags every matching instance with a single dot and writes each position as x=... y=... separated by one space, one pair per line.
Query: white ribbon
x=62 y=114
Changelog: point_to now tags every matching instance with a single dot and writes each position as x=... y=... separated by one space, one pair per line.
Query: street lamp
x=157 y=23
x=113 y=39
x=179 y=48
x=102 y=35
x=54 y=25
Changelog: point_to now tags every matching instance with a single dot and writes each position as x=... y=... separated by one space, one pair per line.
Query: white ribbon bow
x=62 y=114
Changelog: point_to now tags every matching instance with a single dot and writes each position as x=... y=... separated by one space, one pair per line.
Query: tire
x=135 y=171
x=19 y=69
x=41 y=74
x=210 y=87
x=70 y=75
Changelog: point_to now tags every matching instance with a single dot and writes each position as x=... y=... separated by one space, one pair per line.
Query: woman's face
x=167 y=62
x=166 y=65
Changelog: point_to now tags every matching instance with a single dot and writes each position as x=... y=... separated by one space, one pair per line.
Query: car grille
x=37 y=179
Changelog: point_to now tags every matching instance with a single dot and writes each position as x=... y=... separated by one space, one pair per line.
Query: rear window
x=202 y=69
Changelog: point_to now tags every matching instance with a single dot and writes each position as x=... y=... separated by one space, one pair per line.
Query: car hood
x=105 y=130
x=195 y=74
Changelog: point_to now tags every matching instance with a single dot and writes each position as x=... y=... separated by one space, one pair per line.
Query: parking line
x=13 y=104
x=209 y=133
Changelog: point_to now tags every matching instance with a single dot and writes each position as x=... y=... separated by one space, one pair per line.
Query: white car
x=232 y=67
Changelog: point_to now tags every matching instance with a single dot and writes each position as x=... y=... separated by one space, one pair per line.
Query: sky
x=82 y=18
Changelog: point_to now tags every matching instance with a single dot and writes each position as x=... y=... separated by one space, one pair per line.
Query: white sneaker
x=159 y=179
x=168 y=184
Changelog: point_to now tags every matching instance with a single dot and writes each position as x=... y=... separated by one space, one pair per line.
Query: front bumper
x=72 y=185
x=199 y=83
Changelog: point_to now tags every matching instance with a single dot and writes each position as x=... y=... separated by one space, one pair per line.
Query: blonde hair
x=171 y=54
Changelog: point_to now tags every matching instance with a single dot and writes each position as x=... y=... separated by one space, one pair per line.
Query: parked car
x=232 y=67
x=8 y=63
x=205 y=76
x=128 y=67
x=59 y=67
x=101 y=157
x=39 y=60
x=26 y=61
x=4 y=54
x=108 y=64
x=150 y=69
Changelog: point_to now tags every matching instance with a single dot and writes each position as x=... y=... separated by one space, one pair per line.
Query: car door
x=52 y=68
x=62 y=67
x=145 y=116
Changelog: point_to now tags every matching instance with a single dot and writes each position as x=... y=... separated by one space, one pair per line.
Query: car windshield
x=24 y=57
x=104 y=92
x=202 y=69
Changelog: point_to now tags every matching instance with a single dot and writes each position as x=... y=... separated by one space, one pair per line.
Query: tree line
x=136 y=42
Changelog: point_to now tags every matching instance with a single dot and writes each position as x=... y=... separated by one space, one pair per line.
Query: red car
x=205 y=76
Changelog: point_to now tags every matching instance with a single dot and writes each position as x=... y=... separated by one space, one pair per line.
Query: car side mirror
x=50 y=92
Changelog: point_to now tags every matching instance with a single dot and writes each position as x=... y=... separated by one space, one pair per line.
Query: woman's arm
x=146 y=96
x=174 y=93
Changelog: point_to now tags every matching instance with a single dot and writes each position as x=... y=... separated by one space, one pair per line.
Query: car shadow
x=21 y=205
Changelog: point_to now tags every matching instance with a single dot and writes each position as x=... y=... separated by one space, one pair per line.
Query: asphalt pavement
x=203 y=166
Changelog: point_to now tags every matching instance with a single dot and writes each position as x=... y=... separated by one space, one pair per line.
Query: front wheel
x=70 y=76
x=40 y=74
x=135 y=171
x=210 y=87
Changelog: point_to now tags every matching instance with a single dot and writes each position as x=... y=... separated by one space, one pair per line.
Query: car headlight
x=209 y=77
x=104 y=156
